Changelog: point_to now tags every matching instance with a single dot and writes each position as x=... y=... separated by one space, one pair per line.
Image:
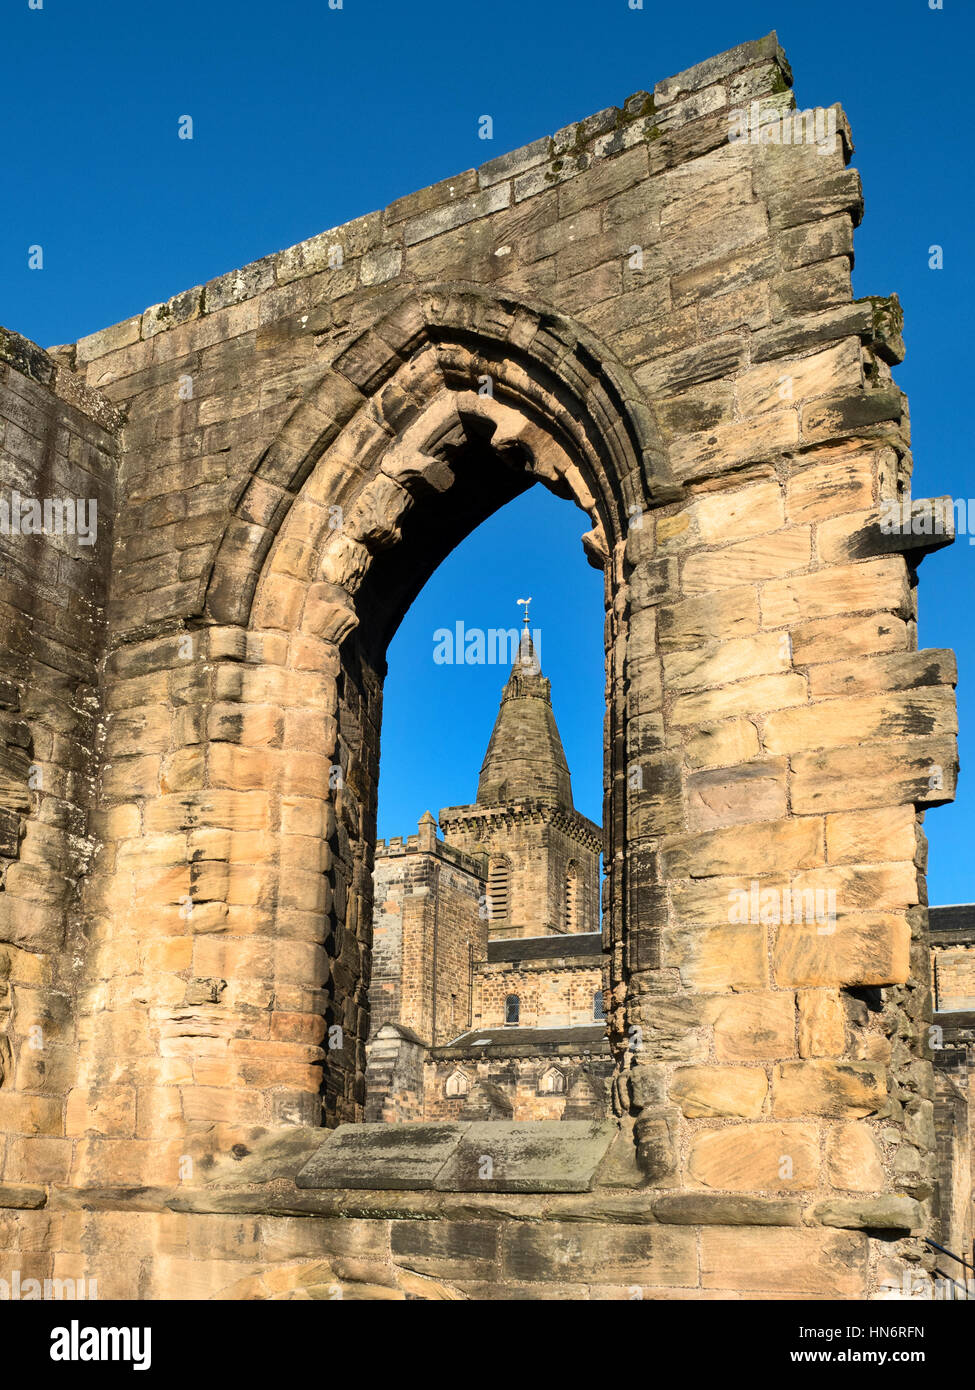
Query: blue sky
x=305 y=117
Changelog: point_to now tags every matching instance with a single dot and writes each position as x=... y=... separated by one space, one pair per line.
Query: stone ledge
x=480 y=1156
x=631 y=1207
x=22 y=1197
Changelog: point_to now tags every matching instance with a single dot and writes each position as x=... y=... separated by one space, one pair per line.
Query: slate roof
x=954 y=922
x=515 y=1041
x=551 y=947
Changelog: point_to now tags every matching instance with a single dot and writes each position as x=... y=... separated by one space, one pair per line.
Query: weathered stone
x=757 y=1157
x=886 y=1213
x=706 y=1209
x=705 y=1091
x=854 y=1159
x=867 y=949
x=791 y=1263
x=843 y=1089
x=544 y=1156
x=822 y=1024
x=190 y=721
x=625 y=1254
x=753 y=1027
x=396 y=1156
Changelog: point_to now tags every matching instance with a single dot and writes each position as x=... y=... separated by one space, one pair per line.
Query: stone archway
x=452 y=404
x=771 y=728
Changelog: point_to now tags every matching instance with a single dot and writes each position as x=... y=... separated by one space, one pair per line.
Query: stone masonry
x=191 y=711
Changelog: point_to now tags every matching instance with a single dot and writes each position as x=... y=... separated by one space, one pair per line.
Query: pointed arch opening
x=452 y=404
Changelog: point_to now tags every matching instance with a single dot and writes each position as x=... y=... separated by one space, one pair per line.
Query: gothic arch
x=437 y=342
x=452 y=404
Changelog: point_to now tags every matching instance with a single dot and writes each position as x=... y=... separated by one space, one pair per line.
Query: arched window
x=551 y=1082
x=497 y=890
x=598 y=1009
x=458 y=1084
x=512 y=1008
x=570 y=914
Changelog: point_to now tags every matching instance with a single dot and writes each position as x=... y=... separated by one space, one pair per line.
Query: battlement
x=396 y=846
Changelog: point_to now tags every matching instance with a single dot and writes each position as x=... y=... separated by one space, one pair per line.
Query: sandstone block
x=560 y=1251
x=841 y=1090
x=753 y=1027
x=730 y=796
x=880 y=674
x=739 y=514
x=831 y=487
x=718 y=958
x=822 y=1023
x=919 y=770
x=718 y=617
x=873 y=586
x=702 y=1092
x=889 y=1212
x=762 y=848
x=712 y=1209
x=837 y=722
x=725 y=662
x=713 y=452
x=768 y=386
x=854 y=1159
x=720 y=745
x=870 y=949
x=858 y=887
x=755 y=695
x=794 y=1263
x=760 y=1157
x=836 y=639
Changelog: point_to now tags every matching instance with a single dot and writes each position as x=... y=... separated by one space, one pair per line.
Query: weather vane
x=526 y=602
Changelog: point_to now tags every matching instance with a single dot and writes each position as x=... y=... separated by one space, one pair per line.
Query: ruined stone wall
x=385 y=989
x=668 y=323
x=394 y=1075
x=954 y=1106
x=58 y=445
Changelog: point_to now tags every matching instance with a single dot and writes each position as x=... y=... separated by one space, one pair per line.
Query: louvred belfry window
x=497 y=890
x=571 y=907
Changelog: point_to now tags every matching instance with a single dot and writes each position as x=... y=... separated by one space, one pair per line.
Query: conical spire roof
x=525 y=760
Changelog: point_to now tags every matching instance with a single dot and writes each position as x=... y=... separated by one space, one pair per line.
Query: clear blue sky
x=305 y=117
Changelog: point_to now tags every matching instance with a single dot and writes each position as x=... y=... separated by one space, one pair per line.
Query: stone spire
x=525 y=760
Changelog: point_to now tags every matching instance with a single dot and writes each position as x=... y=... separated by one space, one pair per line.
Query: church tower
x=542 y=856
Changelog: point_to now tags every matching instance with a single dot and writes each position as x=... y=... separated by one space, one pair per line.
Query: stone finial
x=427 y=828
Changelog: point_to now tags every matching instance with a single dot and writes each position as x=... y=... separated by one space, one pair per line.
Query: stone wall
x=547 y=998
x=955 y=978
x=667 y=321
x=428 y=929
x=59 y=447
x=952 y=938
x=543 y=1085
